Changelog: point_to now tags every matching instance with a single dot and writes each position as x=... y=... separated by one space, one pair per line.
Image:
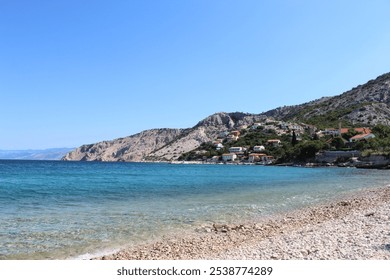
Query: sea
x=79 y=210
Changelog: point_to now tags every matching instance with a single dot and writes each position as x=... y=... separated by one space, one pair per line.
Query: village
x=278 y=142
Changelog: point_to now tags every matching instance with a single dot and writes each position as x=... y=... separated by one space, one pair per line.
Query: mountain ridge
x=370 y=104
x=35 y=154
x=367 y=104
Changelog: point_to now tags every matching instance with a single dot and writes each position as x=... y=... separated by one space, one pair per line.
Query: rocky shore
x=355 y=227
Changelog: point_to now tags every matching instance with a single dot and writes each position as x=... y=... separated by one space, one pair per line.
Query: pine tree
x=294 y=140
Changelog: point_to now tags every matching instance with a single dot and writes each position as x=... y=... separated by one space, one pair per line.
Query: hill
x=47 y=154
x=161 y=144
x=367 y=104
x=364 y=105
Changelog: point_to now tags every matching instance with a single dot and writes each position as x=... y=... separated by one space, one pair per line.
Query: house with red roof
x=361 y=137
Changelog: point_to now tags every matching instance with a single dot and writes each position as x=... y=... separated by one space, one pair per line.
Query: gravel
x=356 y=227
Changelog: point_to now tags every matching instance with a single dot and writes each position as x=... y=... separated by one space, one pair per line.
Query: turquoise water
x=59 y=210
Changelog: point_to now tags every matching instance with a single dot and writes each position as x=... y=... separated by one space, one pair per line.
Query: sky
x=78 y=72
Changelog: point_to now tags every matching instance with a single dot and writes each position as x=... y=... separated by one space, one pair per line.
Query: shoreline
x=356 y=226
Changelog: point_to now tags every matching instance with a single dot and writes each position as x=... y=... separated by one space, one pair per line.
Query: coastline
x=356 y=226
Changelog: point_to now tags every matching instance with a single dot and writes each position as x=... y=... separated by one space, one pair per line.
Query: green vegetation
x=328 y=119
x=380 y=145
x=294 y=150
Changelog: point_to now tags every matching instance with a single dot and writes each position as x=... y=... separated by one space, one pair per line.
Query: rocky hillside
x=365 y=104
x=162 y=144
x=132 y=148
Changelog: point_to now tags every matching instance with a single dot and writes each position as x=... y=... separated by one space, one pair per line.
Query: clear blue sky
x=76 y=72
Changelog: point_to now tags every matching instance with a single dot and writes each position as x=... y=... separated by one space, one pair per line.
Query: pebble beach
x=354 y=227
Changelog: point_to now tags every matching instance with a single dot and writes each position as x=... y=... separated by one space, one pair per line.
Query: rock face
x=132 y=148
x=366 y=104
x=206 y=130
x=161 y=144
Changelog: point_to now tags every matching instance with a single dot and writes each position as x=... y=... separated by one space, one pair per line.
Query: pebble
x=353 y=228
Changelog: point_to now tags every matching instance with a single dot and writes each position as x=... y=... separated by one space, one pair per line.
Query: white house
x=256 y=125
x=236 y=149
x=218 y=146
x=258 y=148
x=229 y=157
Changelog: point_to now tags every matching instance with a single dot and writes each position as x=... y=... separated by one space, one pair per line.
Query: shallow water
x=57 y=210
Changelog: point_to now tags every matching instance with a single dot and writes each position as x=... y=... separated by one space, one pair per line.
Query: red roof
x=360 y=136
x=257 y=155
x=364 y=130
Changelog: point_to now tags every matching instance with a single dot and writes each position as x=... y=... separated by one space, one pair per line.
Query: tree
x=351 y=132
x=381 y=131
x=294 y=140
x=307 y=150
x=338 y=143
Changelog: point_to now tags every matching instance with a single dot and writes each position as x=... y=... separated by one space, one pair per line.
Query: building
x=235 y=133
x=229 y=157
x=236 y=150
x=362 y=130
x=214 y=159
x=274 y=142
x=267 y=159
x=311 y=129
x=255 y=157
x=284 y=125
x=258 y=148
x=334 y=156
x=218 y=145
x=256 y=125
x=270 y=127
x=223 y=134
x=331 y=131
x=231 y=138
x=339 y=131
x=361 y=137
